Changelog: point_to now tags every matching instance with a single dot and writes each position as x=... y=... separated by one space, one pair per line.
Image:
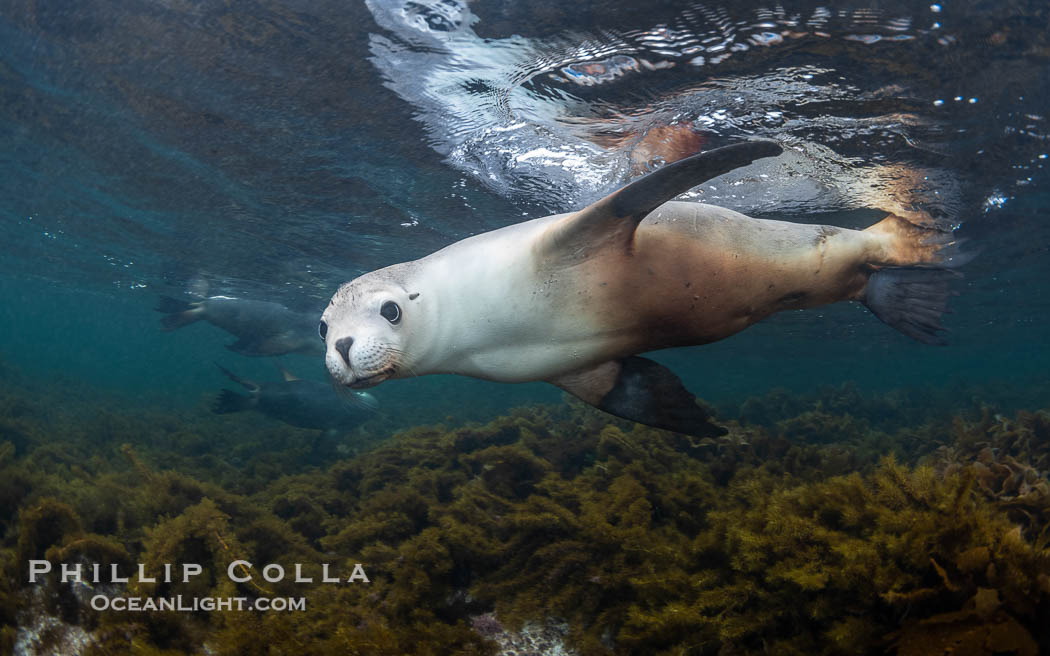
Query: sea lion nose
x=343 y=347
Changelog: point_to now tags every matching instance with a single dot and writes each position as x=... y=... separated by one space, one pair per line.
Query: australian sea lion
x=302 y=403
x=573 y=298
x=261 y=327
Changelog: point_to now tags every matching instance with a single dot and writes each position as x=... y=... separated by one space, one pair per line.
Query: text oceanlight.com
x=238 y=571
x=194 y=604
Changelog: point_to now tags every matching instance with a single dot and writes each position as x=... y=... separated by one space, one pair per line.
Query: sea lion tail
x=228 y=401
x=179 y=313
x=912 y=300
x=910 y=290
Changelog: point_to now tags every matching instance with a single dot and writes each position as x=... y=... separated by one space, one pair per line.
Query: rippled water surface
x=273 y=150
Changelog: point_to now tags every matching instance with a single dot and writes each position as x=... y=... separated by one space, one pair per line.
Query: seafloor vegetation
x=817 y=526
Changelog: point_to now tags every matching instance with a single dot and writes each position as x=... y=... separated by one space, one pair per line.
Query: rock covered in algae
x=546 y=639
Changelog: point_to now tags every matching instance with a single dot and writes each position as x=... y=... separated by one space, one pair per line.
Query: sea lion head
x=369 y=328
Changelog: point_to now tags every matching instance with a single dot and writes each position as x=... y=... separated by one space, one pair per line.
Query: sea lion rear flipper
x=179 y=313
x=911 y=287
x=641 y=390
x=616 y=216
x=912 y=300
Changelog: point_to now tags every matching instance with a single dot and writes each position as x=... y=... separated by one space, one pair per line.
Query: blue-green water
x=273 y=150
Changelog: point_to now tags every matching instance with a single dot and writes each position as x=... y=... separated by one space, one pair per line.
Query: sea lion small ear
x=413 y=297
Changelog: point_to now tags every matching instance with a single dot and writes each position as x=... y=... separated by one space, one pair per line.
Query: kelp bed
x=797 y=533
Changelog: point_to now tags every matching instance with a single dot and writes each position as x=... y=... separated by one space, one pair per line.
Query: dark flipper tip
x=761 y=148
x=641 y=390
x=649 y=393
x=646 y=194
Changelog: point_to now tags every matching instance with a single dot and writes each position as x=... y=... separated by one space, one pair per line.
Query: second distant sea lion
x=261 y=327
x=302 y=403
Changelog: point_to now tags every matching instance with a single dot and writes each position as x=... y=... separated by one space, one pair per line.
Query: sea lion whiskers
x=398 y=363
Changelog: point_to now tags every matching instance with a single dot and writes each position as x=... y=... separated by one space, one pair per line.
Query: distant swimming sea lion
x=302 y=403
x=261 y=327
x=571 y=299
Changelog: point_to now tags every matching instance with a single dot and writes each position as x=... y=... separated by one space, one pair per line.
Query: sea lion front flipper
x=641 y=390
x=615 y=217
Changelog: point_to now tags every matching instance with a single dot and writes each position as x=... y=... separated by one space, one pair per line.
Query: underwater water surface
x=156 y=154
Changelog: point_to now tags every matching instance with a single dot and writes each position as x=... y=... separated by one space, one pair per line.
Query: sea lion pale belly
x=571 y=299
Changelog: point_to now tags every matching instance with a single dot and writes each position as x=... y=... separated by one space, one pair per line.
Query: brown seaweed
x=795 y=535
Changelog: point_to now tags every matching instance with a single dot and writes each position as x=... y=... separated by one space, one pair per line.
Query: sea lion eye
x=391 y=312
x=322 y=330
